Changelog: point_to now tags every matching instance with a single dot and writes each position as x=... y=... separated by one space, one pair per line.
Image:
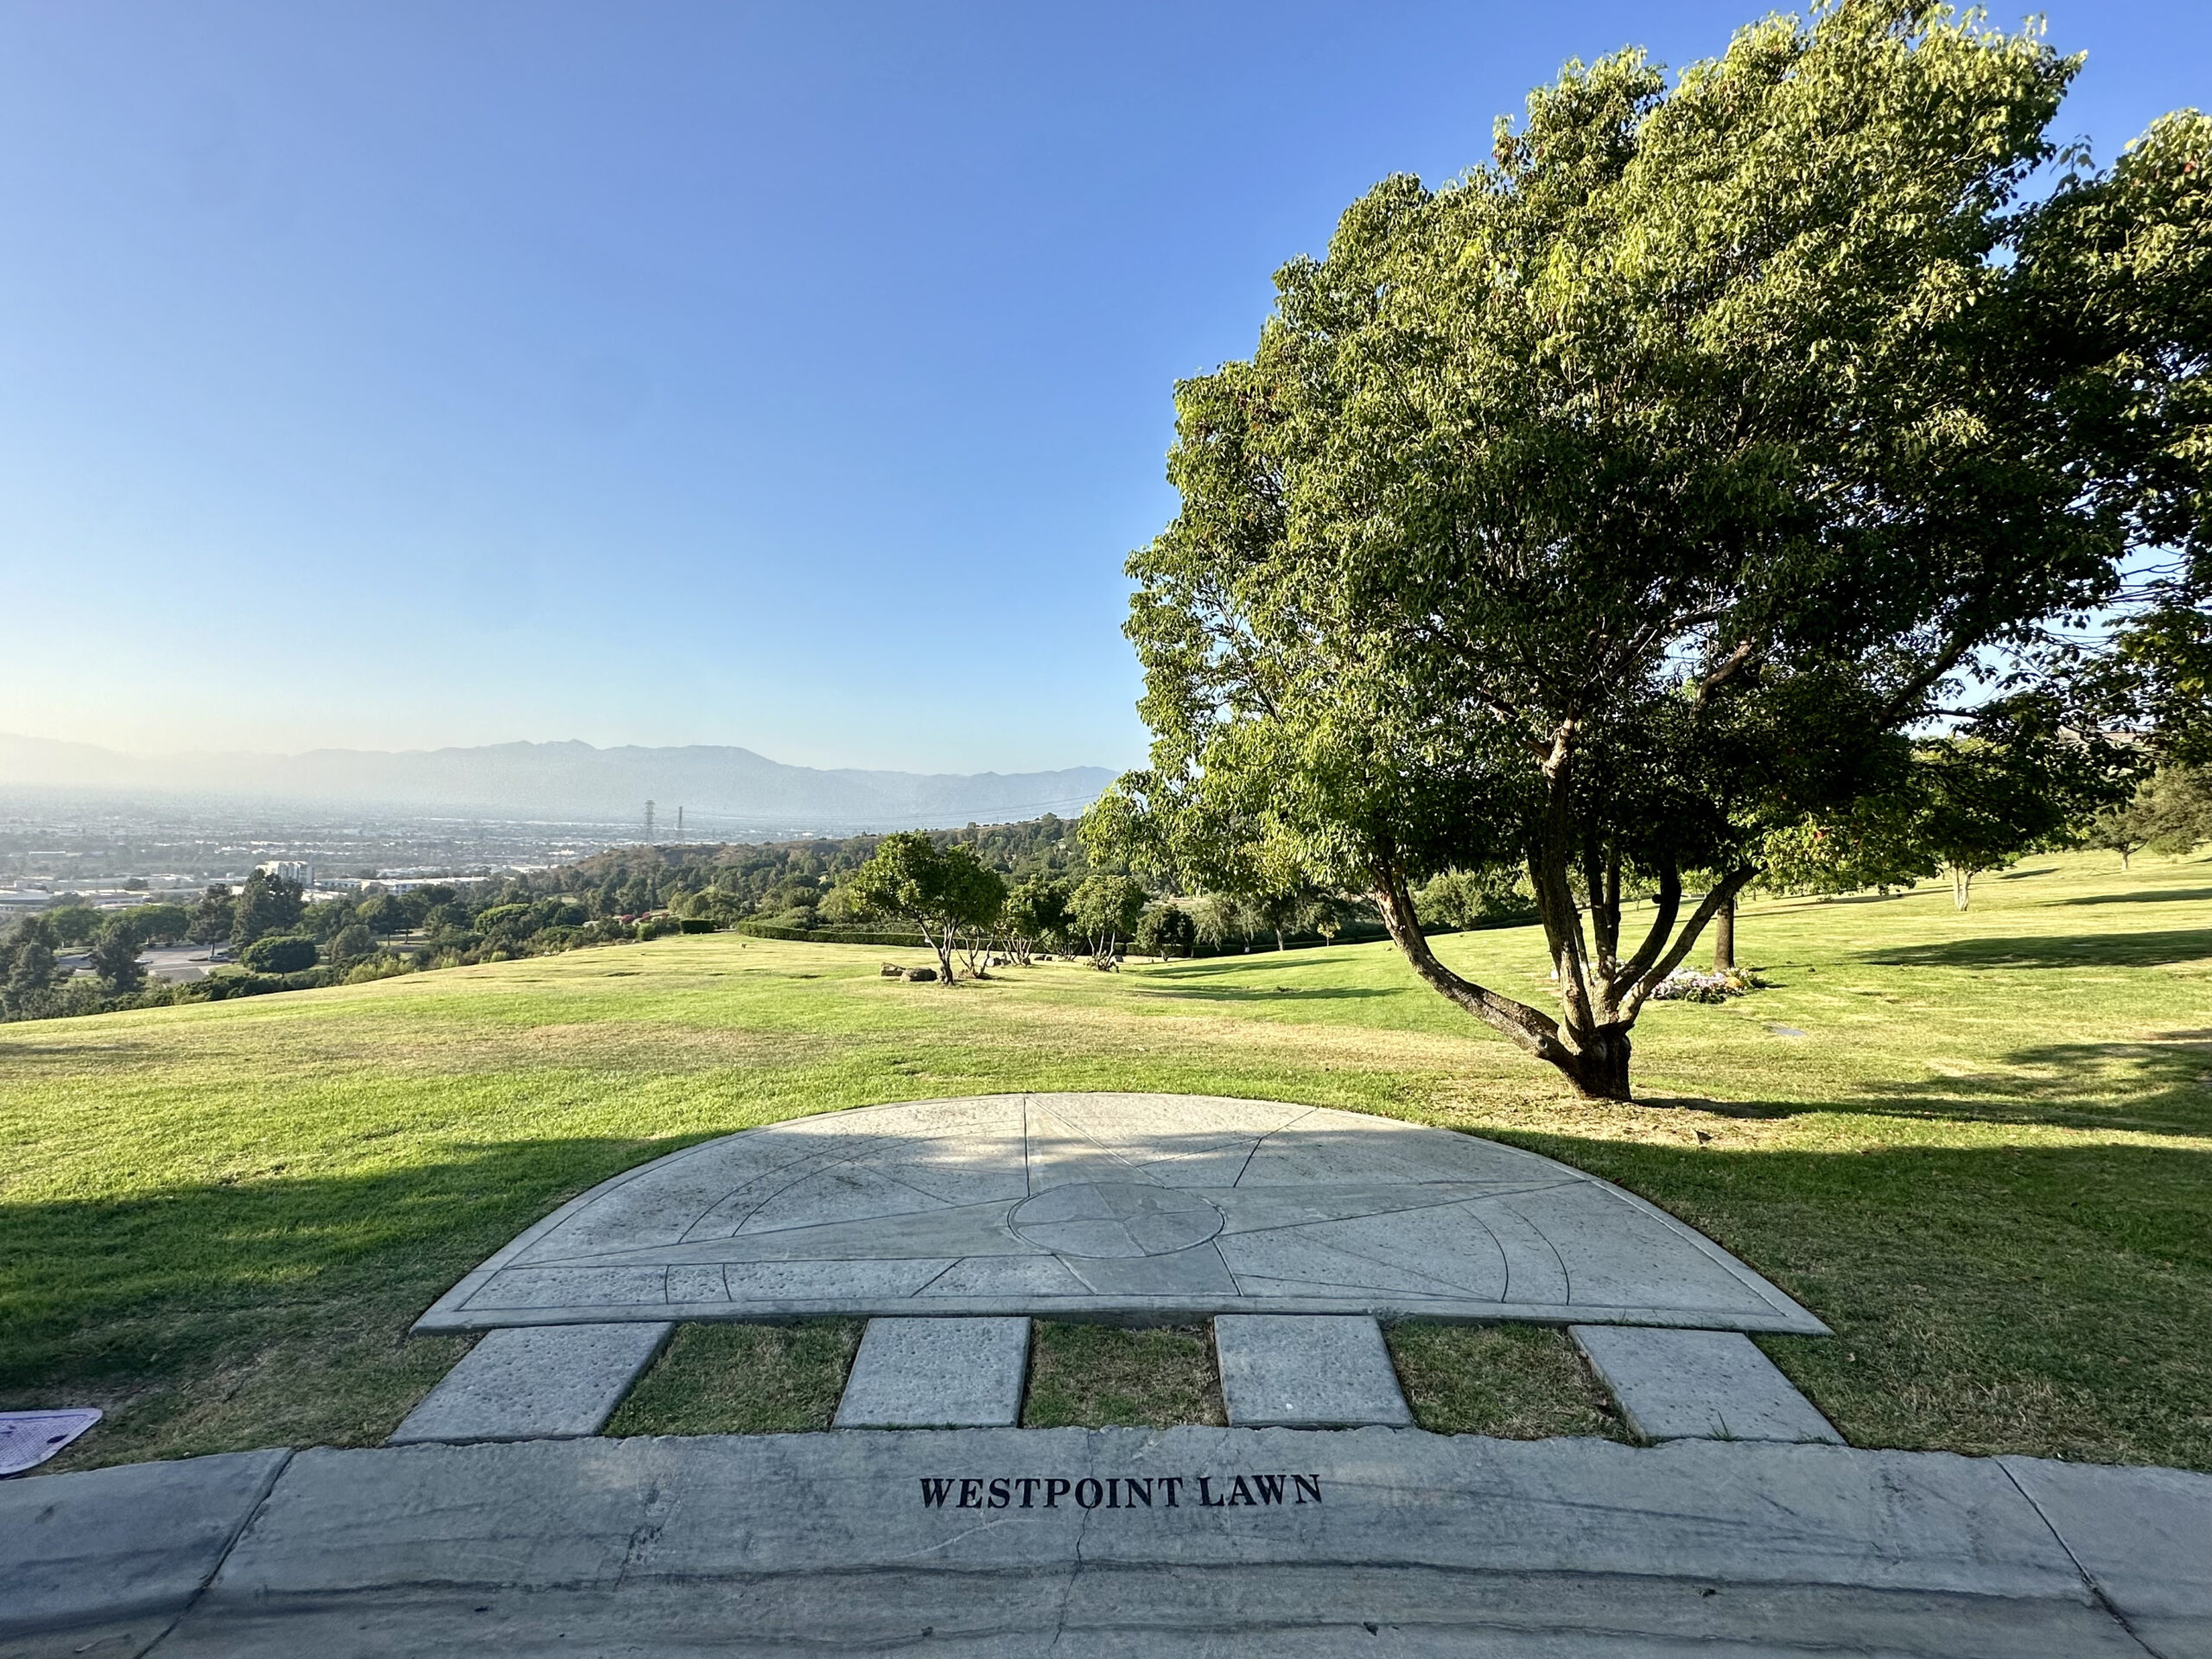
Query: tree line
x=986 y=895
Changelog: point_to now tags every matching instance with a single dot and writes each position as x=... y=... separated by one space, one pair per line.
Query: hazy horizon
x=718 y=787
x=191 y=752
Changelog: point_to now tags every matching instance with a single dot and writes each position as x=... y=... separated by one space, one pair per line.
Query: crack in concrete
x=253 y=1513
x=2088 y=1579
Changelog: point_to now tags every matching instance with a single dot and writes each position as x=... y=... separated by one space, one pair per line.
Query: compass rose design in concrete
x=1129 y=1207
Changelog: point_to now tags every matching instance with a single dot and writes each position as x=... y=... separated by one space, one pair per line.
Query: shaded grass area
x=1106 y=1376
x=1984 y=1164
x=743 y=1379
x=1516 y=1382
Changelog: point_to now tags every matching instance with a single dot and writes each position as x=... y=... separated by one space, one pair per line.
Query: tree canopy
x=1637 y=494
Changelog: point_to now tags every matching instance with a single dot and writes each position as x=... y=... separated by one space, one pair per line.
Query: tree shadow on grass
x=1202 y=981
x=2159 y=1085
x=1263 y=993
x=2145 y=949
x=1984 y=1300
x=19 y=1058
x=2168 y=896
x=108 y=1292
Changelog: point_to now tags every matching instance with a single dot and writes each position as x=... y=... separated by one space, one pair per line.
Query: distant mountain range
x=715 y=785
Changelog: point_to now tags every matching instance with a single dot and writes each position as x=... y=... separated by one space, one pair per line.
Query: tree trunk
x=1598 y=1070
x=1724 y=938
x=1961 y=883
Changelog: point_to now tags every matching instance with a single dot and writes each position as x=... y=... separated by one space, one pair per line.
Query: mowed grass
x=1984 y=1162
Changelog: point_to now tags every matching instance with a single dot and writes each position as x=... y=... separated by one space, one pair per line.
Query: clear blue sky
x=796 y=375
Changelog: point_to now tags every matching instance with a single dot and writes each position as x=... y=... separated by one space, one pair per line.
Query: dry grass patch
x=1515 y=1382
x=1106 y=1376
x=743 y=1379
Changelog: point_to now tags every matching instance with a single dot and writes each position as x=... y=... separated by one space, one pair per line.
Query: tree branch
x=1669 y=903
x=1895 y=709
x=1536 y=1032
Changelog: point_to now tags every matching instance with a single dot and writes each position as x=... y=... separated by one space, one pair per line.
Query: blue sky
x=795 y=376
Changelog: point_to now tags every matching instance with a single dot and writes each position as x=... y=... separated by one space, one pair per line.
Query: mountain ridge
x=722 y=782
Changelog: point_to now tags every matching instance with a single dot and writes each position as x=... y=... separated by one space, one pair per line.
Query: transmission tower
x=649 y=823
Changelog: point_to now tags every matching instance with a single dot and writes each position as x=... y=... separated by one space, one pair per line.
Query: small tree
x=1106 y=909
x=27 y=968
x=1036 y=913
x=1495 y=896
x=2182 y=809
x=940 y=891
x=212 y=915
x=383 y=915
x=1986 y=803
x=160 y=924
x=350 y=945
x=2125 y=828
x=115 y=958
x=2169 y=812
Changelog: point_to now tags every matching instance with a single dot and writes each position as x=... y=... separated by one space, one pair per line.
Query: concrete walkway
x=1159 y=1208
x=1010 y=1541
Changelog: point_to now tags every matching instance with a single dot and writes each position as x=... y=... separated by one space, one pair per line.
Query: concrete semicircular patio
x=1129 y=1207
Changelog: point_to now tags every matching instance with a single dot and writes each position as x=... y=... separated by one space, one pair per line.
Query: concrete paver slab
x=1122 y=1206
x=937 y=1374
x=119 y=1552
x=1306 y=1371
x=29 y=1438
x=2144 y=1538
x=538 y=1383
x=1704 y=1385
x=1131 y=1541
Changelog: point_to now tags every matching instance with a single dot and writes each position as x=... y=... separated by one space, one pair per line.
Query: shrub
x=1164 y=930
x=882 y=939
x=350 y=945
x=279 y=953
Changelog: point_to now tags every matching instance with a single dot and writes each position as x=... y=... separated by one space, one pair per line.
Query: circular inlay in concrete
x=1129 y=1207
x=1103 y=1219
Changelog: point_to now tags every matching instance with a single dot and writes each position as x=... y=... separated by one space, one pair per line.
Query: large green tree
x=2124 y=269
x=1636 y=494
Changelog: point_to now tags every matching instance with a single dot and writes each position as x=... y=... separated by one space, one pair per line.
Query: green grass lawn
x=1984 y=1162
